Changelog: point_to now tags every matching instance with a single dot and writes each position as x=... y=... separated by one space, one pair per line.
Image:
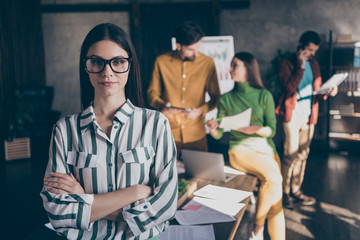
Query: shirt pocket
x=82 y=160
x=136 y=164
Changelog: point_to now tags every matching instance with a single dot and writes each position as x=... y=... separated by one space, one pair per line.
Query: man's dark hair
x=309 y=37
x=188 y=33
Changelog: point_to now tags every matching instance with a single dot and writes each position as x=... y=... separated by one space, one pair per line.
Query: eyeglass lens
x=97 y=65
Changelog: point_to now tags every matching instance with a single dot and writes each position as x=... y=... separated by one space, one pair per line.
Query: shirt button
x=184 y=75
x=116 y=127
x=145 y=207
x=94 y=119
x=110 y=164
x=183 y=89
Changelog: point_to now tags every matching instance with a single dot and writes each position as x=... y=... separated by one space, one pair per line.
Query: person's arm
x=213 y=89
x=154 y=91
x=269 y=123
x=290 y=75
x=65 y=201
x=213 y=125
x=107 y=204
x=268 y=105
x=161 y=206
x=64 y=210
x=255 y=129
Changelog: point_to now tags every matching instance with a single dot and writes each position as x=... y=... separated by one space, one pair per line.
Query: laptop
x=205 y=165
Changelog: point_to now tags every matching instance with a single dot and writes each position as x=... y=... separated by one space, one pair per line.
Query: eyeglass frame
x=107 y=61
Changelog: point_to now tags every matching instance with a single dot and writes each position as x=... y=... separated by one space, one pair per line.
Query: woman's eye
x=97 y=62
x=119 y=61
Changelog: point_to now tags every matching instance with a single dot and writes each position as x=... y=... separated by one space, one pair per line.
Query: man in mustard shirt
x=179 y=82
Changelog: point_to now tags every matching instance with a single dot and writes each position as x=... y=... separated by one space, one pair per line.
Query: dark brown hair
x=252 y=68
x=109 y=31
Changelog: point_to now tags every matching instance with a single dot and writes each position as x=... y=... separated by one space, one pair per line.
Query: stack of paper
x=212 y=204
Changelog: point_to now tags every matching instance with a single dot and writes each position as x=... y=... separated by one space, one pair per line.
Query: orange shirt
x=183 y=84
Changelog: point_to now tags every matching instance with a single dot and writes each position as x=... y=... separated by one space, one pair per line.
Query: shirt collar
x=87 y=117
x=122 y=115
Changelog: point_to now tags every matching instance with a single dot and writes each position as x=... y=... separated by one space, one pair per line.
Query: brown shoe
x=302 y=199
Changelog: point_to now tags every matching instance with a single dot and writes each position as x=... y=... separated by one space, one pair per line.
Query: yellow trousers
x=269 y=204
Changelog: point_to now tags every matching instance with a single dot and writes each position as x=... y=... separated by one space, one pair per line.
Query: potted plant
x=15 y=115
x=272 y=77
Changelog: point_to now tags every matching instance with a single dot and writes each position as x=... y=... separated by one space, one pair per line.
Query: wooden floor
x=334 y=180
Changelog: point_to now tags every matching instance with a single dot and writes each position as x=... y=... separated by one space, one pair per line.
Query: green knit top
x=242 y=97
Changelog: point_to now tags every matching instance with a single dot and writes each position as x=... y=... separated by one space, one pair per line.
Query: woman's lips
x=108 y=84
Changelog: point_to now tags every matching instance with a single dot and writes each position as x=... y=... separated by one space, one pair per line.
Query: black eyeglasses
x=97 y=65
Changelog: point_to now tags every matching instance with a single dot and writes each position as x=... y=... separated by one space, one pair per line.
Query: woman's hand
x=213 y=125
x=61 y=183
x=258 y=130
x=252 y=129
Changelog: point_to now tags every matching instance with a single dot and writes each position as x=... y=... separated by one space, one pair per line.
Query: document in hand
x=334 y=81
x=237 y=121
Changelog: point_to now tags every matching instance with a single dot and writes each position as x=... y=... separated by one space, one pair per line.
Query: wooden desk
x=242 y=182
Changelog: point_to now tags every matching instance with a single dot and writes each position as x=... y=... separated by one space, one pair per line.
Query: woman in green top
x=251 y=148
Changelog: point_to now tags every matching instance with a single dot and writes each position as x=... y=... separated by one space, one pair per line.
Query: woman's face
x=108 y=83
x=238 y=70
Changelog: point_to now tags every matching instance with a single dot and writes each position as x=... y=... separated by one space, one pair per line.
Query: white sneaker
x=256 y=237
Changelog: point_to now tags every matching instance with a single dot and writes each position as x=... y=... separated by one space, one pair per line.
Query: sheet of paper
x=222 y=193
x=237 y=121
x=203 y=215
x=231 y=170
x=225 y=207
x=334 y=81
x=176 y=232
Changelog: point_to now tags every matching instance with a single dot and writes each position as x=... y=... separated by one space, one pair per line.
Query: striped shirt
x=140 y=150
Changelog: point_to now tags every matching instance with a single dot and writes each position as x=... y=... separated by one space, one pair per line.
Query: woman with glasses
x=251 y=148
x=111 y=172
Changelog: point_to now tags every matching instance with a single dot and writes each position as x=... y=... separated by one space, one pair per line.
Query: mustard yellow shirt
x=184 y=84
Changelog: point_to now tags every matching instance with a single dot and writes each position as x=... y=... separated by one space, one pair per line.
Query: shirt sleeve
x=155 y=89
x=290 y=76
x=221 y=113
x=65 y=211
x=161 y=206
x=212 y=87
x=269 y=112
